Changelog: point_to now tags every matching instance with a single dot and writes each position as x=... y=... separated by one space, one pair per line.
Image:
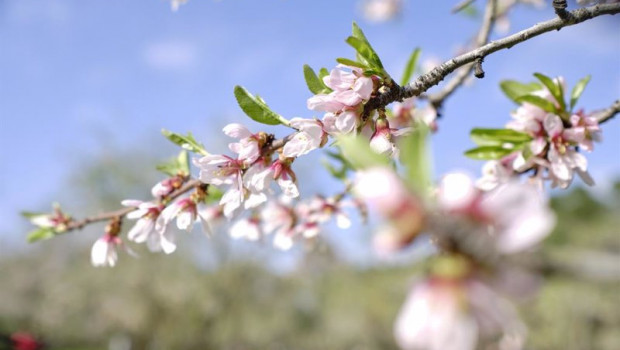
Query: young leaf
x=554 y=89
x=488 y=152
x=30 y=215
x=351 y=63
x=188 y=142
x=178 y=165
x=256 y=108
x=540 y=102
x=370 y=55
x=410 y=67
x=315 y=84
x=323 y=72
x=214 y=195
x=490 y=137
x=356 y=150
x=514 y=89
x=414 y=155
x=578 y=90
x=365 y=51
x=40 y=234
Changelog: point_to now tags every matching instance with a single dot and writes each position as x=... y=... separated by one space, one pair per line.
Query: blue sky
x=74 y=73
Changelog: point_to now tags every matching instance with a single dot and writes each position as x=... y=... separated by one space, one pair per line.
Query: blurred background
x=86 y=86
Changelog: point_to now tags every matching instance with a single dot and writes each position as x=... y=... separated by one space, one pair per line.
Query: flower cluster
x=457 y=305
x=290 y=221
x=344 y=104
x=553 y=151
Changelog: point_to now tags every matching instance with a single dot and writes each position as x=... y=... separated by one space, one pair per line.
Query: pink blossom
x=563 y=159
x=186 y=211
x=104 y=251
x=280 y=218
x=219 y=170
x=383 y=139
x=325 y=103
x=584 y=131
x=310 y=136
x=144 y=230
x=342 y=123
x=166 y=186
x=249 y=146
x=246 y=228
x=381 y=10
x=495 y=173
x=383 y=190
x=454 y=313
x=514 y=215
x=280 y=171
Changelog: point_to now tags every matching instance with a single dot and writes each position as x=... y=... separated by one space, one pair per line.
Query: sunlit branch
x=432 y=78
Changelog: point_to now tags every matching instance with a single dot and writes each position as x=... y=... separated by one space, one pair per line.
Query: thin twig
x=461 y=5
x=609 y=113
x=432 y=78
x=482 y=38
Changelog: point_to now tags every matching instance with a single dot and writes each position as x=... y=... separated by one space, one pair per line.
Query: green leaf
x=554 y=89
x=257 y=109
x=178 y=165
x=578 y=90
x=30 y=215
x=348 y=62
x=188 y=141
x=214 y=195
x=414 y=155
x=497 y=137
x=40 y=234
x=514 y=89
x=315 y=84
x=540 y=102
x=488 y=152
x=367 y=51
x=356 y=150
x=323 y=72
x=410 y=67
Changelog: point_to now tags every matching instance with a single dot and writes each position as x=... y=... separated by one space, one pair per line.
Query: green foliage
x=495 y=143
x=341 y=172
x=514 y=89
x=315 y=84
x=187 y=142
x=498 y=137
x=540 y=102
x=366 y=57
x=356 y=150
x=554 y=88
x=41 y=233
x=410 y=67
x=176 y=166
x=578 y=90
x=256 y=108
x=414 y=155
x=488 y=152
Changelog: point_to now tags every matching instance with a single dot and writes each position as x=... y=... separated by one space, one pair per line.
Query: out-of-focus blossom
x=381 y=10
x=175 y=4
x=495 y=173
x=280 y=171
x=246 y=228
x=583 y=131
x=513 y=215
x=456 y=313
x=104 y=251
x=144 y=230
x=384 y=192
x=166 y=186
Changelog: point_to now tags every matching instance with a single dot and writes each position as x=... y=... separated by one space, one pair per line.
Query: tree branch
x=482 y=38
x=432 y=78
x=79 y=224
x=608 y=113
